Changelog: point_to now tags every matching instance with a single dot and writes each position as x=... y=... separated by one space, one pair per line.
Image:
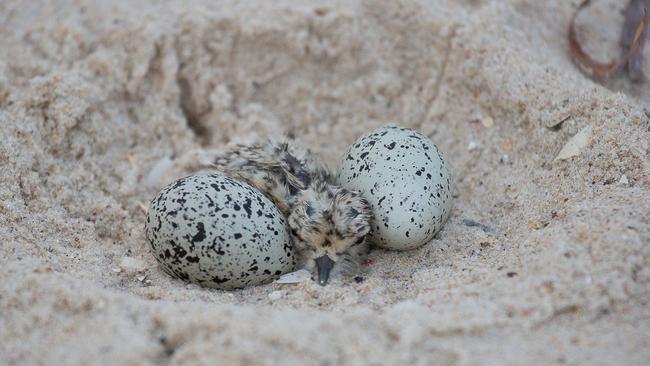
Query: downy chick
x=328 y=223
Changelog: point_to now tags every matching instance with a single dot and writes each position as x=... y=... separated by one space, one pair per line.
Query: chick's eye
x=294 y=232
x=360 y=240
x=309 y=211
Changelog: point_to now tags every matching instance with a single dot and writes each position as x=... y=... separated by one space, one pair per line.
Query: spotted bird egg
x=218 y=232
x=407 y=182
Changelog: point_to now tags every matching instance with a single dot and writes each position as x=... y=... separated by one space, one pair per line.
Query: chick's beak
x=324 y=265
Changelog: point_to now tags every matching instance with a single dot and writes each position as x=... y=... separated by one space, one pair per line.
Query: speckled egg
x=218 y=232
x=407 y=182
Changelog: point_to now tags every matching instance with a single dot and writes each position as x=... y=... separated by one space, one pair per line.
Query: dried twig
x=598 y=70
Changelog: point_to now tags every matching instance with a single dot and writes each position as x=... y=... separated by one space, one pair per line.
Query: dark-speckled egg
x=218 y=232
x=407 y=182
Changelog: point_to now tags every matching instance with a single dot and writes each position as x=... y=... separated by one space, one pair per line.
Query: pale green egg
x=218 y=232
x=407 y=182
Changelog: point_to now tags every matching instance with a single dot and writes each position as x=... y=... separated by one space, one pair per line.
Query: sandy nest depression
x=93 y=95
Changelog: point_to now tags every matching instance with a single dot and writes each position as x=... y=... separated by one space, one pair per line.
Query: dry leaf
x=591 y=67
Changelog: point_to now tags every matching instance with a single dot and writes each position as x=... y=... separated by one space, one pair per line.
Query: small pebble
x=487 y=122
x=132 y=265
x=623 y=181
x=473 y=145
x=276 y=295
x=471 y=223
x=144 y=280
x=299 y=276
x=159 y=169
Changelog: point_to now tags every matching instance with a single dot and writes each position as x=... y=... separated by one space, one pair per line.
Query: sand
x=93 y=94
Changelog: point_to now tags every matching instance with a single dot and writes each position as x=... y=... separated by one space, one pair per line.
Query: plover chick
x=328 y=223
